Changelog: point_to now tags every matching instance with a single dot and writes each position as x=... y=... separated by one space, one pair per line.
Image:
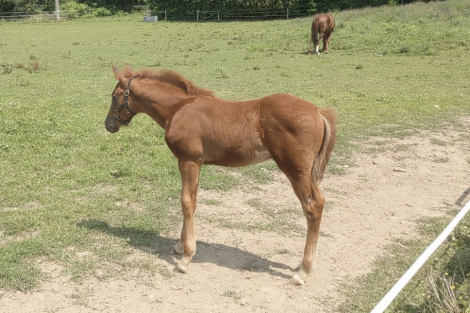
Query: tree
x=57 y=9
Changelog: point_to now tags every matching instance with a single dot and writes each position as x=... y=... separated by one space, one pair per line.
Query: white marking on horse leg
x=296 y=281
x=299 y=278
x=316 y=49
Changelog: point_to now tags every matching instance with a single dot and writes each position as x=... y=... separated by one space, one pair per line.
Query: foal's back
x=237 y=133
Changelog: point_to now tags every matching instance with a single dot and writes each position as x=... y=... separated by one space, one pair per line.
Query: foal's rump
x=323 y=23
x=298 y=134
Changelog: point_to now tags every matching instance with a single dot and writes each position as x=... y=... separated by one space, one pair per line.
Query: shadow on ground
x=218 y=254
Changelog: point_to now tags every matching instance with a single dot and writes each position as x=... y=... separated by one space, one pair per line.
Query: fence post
x=218 y=16
x=165 y=14
x=287 y=13
x=197 y=15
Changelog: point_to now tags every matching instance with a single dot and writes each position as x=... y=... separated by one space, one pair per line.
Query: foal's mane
x=171 y=78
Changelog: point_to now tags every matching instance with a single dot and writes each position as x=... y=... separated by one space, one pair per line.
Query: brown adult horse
x=323 y=26
x=202 y=129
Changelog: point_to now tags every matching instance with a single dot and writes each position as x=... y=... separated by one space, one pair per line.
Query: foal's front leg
x=187 y=245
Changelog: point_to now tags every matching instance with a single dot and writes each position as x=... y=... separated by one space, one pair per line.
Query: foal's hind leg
x=326 y=42
x=179 y=247
x=317 y=42
x=310 y=46
x=312 y=201
x=187 y=244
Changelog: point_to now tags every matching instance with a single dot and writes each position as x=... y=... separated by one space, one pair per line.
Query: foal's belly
x=238 y=157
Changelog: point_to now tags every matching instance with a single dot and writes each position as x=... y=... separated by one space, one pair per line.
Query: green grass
x=69 y=188
x=450 y=264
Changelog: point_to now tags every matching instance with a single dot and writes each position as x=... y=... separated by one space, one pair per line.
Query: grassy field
x=391 y=71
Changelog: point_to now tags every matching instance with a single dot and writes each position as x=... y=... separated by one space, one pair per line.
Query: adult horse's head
x=121 y=111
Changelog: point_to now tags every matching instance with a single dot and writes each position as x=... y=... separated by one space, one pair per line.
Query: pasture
x=81 y=208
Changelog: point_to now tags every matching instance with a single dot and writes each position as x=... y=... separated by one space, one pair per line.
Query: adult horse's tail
x=329 y=139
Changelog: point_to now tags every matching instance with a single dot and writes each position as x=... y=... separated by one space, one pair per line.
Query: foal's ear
x=117 y=73
x=120 y=75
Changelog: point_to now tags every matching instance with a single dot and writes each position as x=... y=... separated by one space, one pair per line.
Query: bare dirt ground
x=239 y=268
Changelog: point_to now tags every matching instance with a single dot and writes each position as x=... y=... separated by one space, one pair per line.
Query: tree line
x=114 y=6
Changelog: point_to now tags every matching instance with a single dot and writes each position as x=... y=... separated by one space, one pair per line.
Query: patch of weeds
x=432 y=226
x=81 y=297
x=165 y=272
x=212 y=202
x=221 y=74
x=438 y=142
x=21 y=82
x=256 y=68
x=66 y=56
x=261 y=173
x=231 y=294
x=255 y=203
x=33 y=67
x=402 y=147
x=359 y=67
x=7 y=68
x=329 y=205
x=441 y=160
x=404 y=50
x=116 y=173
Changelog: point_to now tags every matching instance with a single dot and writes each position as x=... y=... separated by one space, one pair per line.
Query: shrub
x=76 y=9
x=100 y=12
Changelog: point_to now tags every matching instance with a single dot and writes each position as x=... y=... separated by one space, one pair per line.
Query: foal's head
x=120 y=113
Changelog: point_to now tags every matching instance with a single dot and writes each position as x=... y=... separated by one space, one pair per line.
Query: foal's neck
x=161 y=101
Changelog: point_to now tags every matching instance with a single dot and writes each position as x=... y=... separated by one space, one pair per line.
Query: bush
x=76 y=9
x=100 y=12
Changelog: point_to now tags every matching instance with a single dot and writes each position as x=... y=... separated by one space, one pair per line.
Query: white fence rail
x=390 y=296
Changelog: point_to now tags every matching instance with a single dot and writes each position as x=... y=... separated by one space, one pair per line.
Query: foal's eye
x=114 y=97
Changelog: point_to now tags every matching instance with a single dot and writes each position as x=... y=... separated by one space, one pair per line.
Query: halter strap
x=125 y=105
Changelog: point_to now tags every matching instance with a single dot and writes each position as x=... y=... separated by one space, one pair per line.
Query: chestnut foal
x=202 y=129
x=323 y=26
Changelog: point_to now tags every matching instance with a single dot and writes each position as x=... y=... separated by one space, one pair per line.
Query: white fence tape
x=385 y=302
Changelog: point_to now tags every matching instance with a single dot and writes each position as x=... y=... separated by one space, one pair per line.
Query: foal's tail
x=329 y=138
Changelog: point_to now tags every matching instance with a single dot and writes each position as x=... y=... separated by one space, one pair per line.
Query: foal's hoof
x=296 y=281
x=181 y=268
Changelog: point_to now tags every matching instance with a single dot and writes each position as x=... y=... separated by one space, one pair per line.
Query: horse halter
x=125 y=105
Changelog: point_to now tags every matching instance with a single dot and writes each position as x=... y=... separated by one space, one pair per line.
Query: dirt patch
x=251 y=239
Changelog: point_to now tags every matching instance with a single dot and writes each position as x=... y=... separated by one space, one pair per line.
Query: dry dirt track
x=376 y=201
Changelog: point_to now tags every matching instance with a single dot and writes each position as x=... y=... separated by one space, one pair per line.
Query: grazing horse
x=202 y=129
x=323 y=26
